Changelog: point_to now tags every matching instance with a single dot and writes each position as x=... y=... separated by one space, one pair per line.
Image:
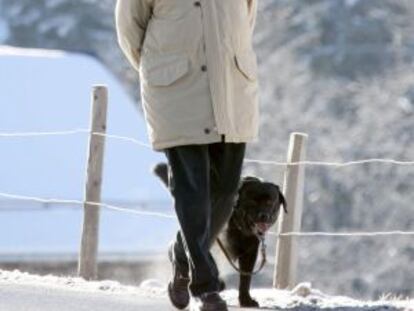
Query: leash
x=262 y=251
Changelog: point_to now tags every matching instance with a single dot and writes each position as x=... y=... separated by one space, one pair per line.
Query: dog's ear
x=283 y=201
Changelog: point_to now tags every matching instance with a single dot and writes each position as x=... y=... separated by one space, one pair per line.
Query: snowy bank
x=22 y=289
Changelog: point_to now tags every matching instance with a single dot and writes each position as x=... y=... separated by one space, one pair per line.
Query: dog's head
x=258 y=204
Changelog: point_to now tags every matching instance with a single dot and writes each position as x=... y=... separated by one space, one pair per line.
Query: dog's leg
x=246 y=264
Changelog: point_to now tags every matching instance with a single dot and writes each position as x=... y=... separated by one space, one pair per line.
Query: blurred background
x=339 y=70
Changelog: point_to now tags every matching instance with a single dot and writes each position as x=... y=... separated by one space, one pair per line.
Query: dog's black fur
x=256 y=210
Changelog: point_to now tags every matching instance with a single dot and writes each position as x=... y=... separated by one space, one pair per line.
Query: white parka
x=197 y=68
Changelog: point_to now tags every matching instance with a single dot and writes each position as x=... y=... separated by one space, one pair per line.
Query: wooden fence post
x=286 y=249
x=89 y=245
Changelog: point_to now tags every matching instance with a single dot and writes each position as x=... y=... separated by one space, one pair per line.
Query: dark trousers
x=203 y=181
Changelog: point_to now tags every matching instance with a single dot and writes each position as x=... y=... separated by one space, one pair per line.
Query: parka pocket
x=246 y=63
x=163 y=69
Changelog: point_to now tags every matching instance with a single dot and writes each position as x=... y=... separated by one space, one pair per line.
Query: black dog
x=256 y=210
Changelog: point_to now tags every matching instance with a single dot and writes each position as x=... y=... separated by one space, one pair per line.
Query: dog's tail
x=161 y=171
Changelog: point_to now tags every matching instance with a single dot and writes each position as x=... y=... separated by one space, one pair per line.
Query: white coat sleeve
x=252 y=4
x=131 y=20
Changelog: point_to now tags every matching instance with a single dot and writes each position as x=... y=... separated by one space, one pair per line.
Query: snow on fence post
x=89 y=245
x=293 y=187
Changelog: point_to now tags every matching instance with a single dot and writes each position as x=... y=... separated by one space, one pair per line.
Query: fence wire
x=40 y=134
x=171 y=216
x=247 y=160
x=88 y=203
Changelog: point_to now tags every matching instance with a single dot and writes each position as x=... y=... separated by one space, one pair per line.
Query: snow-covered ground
x=21 y=291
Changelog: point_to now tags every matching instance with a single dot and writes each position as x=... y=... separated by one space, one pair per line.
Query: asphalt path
x=21 y=297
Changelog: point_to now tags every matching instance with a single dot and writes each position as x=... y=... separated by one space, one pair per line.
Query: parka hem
x=160 y=146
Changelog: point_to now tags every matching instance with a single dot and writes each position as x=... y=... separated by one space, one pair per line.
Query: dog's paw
x=248 y=302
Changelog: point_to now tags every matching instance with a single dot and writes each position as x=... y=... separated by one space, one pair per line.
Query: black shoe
x=209 y=302
x=178 y=286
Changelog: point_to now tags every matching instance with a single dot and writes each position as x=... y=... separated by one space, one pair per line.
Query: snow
x=15 y=51
x=22 y=291
x=45 y=90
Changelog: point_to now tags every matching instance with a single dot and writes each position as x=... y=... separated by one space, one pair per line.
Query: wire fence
x=143 y=144
x=170 y=216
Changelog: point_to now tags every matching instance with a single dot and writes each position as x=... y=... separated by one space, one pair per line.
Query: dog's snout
x=263 y=217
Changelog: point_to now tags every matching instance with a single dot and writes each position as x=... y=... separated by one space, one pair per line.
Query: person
x=199 y=91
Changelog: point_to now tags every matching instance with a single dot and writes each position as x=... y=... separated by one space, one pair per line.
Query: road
x=21 y=297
